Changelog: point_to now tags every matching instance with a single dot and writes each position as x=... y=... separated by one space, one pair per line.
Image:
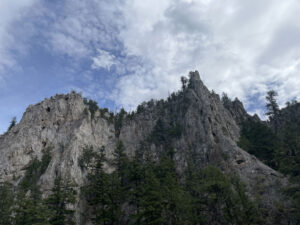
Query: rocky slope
x=195 y=121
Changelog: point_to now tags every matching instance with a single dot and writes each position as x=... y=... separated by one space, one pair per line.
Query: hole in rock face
x=239 y=161
x=48 y=109
x=44 y=143
x=66 y=98
x=43 y=127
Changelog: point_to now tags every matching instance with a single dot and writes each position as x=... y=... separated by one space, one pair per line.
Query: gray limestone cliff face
x=209 y=133
x=199 y=128
x=61 y=124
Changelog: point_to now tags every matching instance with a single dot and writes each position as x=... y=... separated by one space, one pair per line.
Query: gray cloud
x=241 y=47
x=12 y=12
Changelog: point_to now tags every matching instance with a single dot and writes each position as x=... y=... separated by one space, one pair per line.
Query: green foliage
x=103 y=191
x=258 y=139
x=184 y=82
x=272 y=106
x=155 y=194
x=25 y=206
x=46 y=158
x=93 y=108
x=151 y=201
x=288 y=157
x=6 y=204
x=86 y=158
x=13 y=122
x=29 y=207
x=120 y=161
x=118 y=121
x=226 y=101
x=34 y=171
x=58 y=203
x=277 y=145
x=92 y=105
x=163 y=133
x=219 y=199
x=30 y=210
x=280 y=148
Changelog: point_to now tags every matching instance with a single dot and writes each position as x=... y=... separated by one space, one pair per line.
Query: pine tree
x=103 y=191
x=196 y=195
x=184 y=82
x=272 y=107
x=97 y=190
x=226 y=101
x=13 y=122
x=29 y=209
x=121 y=162
x=258 y=139
x=6 y=204
x=59 y=202
x=136 y=182
x=151 y=203
x=176 y=204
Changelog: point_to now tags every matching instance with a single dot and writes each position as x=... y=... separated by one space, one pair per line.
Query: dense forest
x=148 y=189
x=139 y=191
x=277 y=143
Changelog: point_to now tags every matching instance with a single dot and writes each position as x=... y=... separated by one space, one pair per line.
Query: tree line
x=277 y=144
x=145 y=191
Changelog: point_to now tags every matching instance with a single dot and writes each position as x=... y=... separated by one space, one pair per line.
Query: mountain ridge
x=193 y=122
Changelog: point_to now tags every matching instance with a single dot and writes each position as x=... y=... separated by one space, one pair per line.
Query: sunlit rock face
x=200 y=127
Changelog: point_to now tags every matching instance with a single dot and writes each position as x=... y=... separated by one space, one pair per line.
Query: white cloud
x=82 y=27
x=104 y=60
x=10 y=13
x=241 y=47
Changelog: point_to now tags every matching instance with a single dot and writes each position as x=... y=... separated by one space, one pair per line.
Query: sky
x=123 y=52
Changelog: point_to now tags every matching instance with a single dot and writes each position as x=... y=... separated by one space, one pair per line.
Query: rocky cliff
x=194 y=122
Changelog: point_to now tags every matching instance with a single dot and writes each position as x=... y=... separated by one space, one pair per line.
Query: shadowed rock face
x=199 y=128
x=209 y=135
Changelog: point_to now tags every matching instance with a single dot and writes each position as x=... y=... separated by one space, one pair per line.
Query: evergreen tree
x=63 y=196
x=271 y=105
x=103 y=191
x=30 y=210
x=13 y=122
x=193 y=187
x=288 y=157
x=6 y=204
x=136 y=182
x=244 y=210
x=258 y=139
x=151 y=203
x=226 y=100
x=120 y=162
x=175 y=204
x=184 y=82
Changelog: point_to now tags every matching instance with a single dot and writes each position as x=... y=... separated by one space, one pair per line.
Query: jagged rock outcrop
x=60 y=124
x=198 y=126
x=209 y=135
x=238 y=111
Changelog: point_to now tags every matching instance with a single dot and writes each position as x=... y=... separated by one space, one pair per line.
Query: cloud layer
x=124 y=52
